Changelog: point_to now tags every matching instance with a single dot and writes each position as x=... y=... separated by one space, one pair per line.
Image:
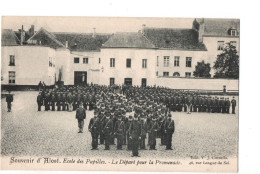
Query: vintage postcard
x=119 y=94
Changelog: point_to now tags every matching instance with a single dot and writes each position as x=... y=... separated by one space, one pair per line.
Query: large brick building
x=136 y=58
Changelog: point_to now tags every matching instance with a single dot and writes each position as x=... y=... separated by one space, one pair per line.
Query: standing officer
x=227 y=103
x=9 y=100
x=143 y=133
x=169 y=130
x=152 y=131
x=94 y=128
x=107 y=130
x=80 y=115
x=129 y=141
x=39 y=101
x=135 y=135
x=119 y=131
x=233 y=103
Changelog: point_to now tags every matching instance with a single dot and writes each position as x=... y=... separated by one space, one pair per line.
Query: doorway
x=128 y=81
x=80 y=77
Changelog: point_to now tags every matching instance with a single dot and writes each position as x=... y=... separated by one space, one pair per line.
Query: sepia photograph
x=120 y=93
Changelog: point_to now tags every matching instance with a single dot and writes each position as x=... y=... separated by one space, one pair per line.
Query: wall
x=120 y=72
x=31 y=65
x=212 y=43
x=195 y=55
x=196 y=83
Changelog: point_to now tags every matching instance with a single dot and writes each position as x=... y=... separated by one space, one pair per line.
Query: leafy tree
x=202 y=69
x=227 y=63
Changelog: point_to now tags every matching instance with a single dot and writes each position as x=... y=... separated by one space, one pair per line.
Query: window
x=166 y=60
x=233 y=33
x=188 y=61
x=220 y=45
x=176 y=60
x=233 y=43
x=11 y=77
x=99 y=60
x=76 y=59
x=112 y=62
x=112 y=81
x=157 y=73
x=144 y=63
x=85 y=60
x=166 y=74
x=50 y=62
x=188 y=74
x=128 y=63
x=12 y=60
x=176 y=74
x=157 y=61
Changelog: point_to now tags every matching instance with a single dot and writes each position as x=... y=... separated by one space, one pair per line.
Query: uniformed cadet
x=227 y=103
x=39 y=101
x=53 y=100
x=107 y=130
x=70 y=101
x=233 y=104
x=80 y=116
x=152 y=128
x=129 y=141
x=143 y=133
x=135 y=135
x=169 y=128
x=119 y=132
x=94 y=128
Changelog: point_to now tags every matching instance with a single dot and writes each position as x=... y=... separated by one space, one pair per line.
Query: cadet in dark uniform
x=39 y=101
x=9 y=100
x=94 y=128
x=143 y=133
x=80 y=116
x=53 y=100
x=227 y=103
x=129 y=141
x=135 y=135
x=119 y=131
x=233 y=104
x=169 y=130
x=107 y=130
x=152 y=132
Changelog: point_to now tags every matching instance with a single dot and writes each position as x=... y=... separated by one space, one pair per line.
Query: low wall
x=197 y=83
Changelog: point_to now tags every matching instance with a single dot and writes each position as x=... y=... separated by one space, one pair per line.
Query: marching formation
x=129 y=114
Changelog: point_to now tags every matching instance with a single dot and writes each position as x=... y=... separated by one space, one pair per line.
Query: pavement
x=27 y=132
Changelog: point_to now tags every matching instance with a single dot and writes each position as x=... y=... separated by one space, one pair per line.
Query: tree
x=227 y=63
x=202 y=69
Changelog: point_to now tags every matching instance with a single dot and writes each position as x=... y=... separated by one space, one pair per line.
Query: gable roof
x=9 y=38
x=219 y=27
x=128 y=40
x=82 y=41
x=175 y=39
x=43 y=37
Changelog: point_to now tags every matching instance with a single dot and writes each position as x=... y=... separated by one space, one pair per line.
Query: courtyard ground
x=27 y=132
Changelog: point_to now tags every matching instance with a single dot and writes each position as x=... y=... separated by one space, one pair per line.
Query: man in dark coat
x=233 y=104
x=152 y=133
x=135 y=135
x=119 y=131
x=94 y=128
x=129 y=141
x=39 y=101
x=107 y=130
x=143 y=133
x=9 y=100
x=80 y=116
x=169 y=130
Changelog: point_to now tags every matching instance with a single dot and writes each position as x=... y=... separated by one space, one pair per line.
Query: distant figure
x=233 y=104
x=39 y=101
x=43 y=85
x=40 y=85
x=9 y=100
x=80 y=116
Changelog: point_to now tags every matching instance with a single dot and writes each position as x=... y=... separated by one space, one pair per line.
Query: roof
x=176 y=39
x=219 y=27
x=9 y=38
x=82 y=41
x=128 y=40
x=46 y=38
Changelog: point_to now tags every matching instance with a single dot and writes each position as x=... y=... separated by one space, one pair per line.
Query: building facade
x=137 y=58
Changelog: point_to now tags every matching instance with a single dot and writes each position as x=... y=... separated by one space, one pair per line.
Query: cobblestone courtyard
x=27 y=132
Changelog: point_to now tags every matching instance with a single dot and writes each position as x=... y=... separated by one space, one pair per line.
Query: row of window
x=166 y=61
x=128 y=81
x=12 y=61
x=128 y=63
x=175 y=74
x=77 y=60
x=221 y=44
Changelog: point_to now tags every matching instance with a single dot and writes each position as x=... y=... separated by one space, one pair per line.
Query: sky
x=86 y=24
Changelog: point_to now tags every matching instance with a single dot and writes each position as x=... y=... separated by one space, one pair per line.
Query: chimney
x=201 y=30
x=66 y=44
x=94 y=33
x=31 y=30
x=22 y=36
x=143 y=27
